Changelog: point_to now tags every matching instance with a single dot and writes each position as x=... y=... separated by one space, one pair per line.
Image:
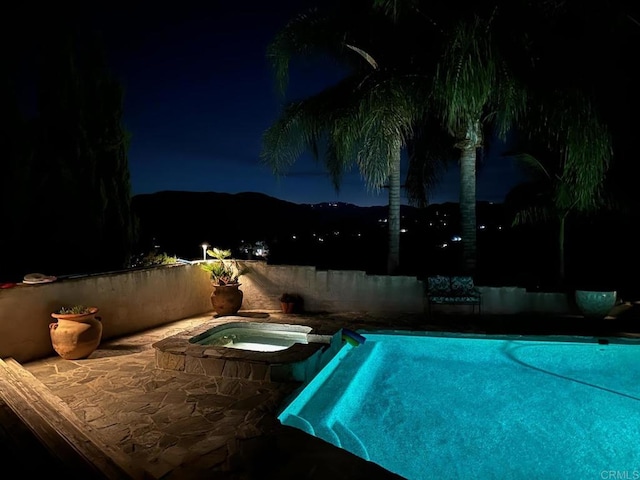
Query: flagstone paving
x=178 y=425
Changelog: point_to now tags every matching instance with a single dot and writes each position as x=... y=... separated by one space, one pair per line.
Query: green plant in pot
x=77 y=331
x=223 y=271
x=226 y=298
x=76 y=310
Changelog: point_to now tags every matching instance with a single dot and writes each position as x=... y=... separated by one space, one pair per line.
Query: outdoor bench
x=453 y=290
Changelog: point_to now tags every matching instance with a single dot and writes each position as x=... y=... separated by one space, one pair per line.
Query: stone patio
x=179 y=425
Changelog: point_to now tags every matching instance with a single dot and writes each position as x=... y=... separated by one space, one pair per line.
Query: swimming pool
x=431 y=405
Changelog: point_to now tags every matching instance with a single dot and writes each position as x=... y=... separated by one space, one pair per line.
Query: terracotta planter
x=75 y=336
x=226 y=299
x=291 y=303
x=287 y=307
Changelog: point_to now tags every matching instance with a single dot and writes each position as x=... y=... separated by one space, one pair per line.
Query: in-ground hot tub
x=257 y=337
x=249 y=350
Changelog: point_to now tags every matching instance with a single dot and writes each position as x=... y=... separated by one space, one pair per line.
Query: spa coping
x=177 y=353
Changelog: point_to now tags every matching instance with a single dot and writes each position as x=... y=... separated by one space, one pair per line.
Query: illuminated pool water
x=257 y=337
x=438 y=406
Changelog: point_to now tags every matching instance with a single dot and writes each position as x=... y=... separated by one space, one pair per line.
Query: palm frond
x=430 y=150
x=533 y=166
x=464 y=77
x=340 y=35
x=567 y=124
x=286 y=139
x=535 y=214
x=396 y=8
x=369 y=59
x=306 y=34
x=365 y=120
x=387 y=111
x=473 y=82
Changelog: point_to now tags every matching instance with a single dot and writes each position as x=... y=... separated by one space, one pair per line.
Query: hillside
x=179 y=222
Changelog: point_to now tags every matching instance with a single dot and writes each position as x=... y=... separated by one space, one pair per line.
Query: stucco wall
x=132 y=301
x=128 y=302
x=351 y=290
x=511 y=299
x=330 y=291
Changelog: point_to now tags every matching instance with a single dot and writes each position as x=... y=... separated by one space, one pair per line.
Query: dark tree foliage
x=590 y=48
x=66 y=187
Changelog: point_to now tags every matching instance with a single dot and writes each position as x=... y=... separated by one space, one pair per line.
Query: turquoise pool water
x=439 y=406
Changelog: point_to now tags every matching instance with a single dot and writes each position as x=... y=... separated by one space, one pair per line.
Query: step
x=60 y=430
x=350 y=441
x=300 y=423
x=326 y=433
x=21 y=450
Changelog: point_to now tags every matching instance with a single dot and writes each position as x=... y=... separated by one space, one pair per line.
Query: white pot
x=595 y=303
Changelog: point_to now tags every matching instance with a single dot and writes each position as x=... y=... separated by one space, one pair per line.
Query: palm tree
x=476 y=92
x=568 y=176
x=366 y=119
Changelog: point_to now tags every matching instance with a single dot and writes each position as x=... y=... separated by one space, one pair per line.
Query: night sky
x=199 y=93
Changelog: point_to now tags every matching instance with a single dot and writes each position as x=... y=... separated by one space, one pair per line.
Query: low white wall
x=511 y=300
x=330 y=291
x=128 y=302
x=132 y=301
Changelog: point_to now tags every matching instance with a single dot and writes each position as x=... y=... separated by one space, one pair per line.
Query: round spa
x=256 y=337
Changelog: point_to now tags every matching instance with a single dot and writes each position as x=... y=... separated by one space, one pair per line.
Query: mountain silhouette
x=178 y=222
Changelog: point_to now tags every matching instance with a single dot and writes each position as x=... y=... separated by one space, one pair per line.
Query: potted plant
x=291 y=303
x=595 y=297
x=77 y=332
x=226 y=298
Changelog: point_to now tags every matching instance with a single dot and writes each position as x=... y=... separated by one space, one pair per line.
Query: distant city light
x=293 y=236
x=261 y=248
x=320 y=239
x=482 y=227
x=336 y=233
x=403 y=230
x=443 y=245
x=456 y=238
x=499 y=227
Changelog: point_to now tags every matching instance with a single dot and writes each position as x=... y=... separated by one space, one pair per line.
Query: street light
x=204 y=251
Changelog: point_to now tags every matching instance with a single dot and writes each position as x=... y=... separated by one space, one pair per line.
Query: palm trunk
x=393 y=257
x=561 y=259
x=468 y=206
